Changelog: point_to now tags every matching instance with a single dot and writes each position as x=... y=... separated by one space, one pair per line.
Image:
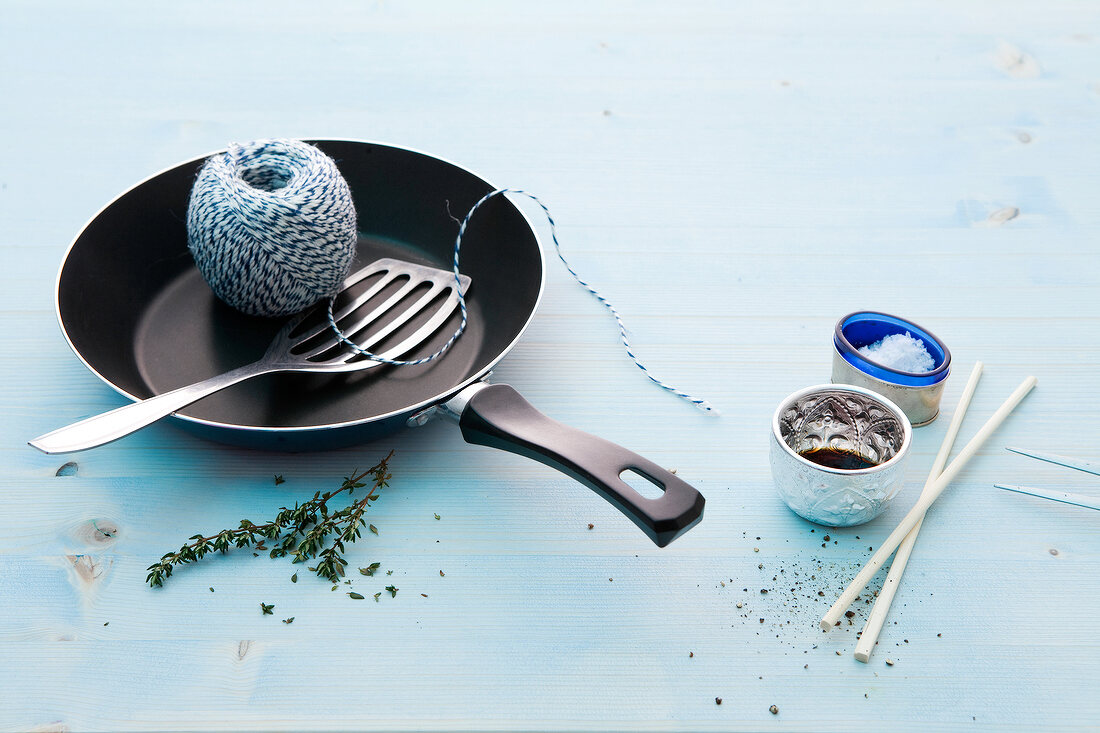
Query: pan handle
x=499 y=417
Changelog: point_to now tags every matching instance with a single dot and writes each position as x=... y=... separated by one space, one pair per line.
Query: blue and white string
x=272 y=226
x=699 y=403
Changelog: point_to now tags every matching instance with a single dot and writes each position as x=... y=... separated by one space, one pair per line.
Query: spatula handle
x=98 y=430
x=498 y=417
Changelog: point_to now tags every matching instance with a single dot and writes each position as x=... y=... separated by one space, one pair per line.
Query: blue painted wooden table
x=734 y=178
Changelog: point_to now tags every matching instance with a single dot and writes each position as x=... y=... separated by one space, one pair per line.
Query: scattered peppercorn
x=773 y=710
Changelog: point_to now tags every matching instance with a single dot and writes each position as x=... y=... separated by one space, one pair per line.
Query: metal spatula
x=315 y=349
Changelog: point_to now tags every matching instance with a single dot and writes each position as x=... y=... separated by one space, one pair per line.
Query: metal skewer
x=1086 y=466
x=1076 y=499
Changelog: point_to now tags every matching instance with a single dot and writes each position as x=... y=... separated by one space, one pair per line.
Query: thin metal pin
x=1081 y=500
x=1079 y=465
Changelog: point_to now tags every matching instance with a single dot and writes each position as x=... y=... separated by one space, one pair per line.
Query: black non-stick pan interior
x=135 y=308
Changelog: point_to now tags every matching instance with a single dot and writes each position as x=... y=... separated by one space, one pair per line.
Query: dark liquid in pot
x=835 y=458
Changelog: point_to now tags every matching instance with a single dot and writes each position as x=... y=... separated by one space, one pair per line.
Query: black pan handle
x=497 y=416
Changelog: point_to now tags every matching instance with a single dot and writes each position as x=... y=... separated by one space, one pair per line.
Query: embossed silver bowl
x=854 y=422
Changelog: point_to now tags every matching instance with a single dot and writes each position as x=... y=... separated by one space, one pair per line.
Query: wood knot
x=1014 y=62
x=88 y=568
x=1003 y=214
x=242 y=649
x=96 y=532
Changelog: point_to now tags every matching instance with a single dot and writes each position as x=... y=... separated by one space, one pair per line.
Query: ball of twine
x=271 y=225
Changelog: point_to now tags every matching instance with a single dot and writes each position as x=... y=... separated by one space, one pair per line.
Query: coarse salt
x=902 y=352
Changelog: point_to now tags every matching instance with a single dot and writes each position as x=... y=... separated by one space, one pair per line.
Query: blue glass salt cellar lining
x=864 y=328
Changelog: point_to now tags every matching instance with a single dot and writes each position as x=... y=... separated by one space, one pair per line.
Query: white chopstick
x=869 y=636
x=891 y=543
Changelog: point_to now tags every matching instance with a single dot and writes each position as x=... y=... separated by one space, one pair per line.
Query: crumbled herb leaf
x=389 y=572
x=211 y=589
x=441 y=574
x=436 y=516
x=369 y=570
x=392 y=590
x=294 y=578
x=106 y=622
x=424 y=594
x=279 y=479
x=288 y=620
x=376 y=597
x=266 y=608
x=308 y=530
x=356 y=596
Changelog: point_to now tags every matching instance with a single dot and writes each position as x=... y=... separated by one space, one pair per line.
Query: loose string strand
x=702 y=404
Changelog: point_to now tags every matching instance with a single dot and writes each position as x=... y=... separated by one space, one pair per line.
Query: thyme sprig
x=301 y=532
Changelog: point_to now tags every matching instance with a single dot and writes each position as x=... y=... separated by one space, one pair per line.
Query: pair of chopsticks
x=904 y=535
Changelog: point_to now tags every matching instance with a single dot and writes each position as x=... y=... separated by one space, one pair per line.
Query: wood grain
x=734 y=177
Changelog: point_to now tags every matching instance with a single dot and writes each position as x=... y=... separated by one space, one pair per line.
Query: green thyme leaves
x=307 y=531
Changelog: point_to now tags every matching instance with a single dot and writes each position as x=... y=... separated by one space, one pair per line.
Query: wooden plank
x=734 y=178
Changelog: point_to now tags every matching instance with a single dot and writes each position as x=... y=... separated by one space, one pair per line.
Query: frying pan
x=136 y=311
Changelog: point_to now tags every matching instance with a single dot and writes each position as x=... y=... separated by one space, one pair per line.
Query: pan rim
x=435 y=400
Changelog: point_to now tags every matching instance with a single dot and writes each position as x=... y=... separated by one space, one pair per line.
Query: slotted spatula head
x=400 y=295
